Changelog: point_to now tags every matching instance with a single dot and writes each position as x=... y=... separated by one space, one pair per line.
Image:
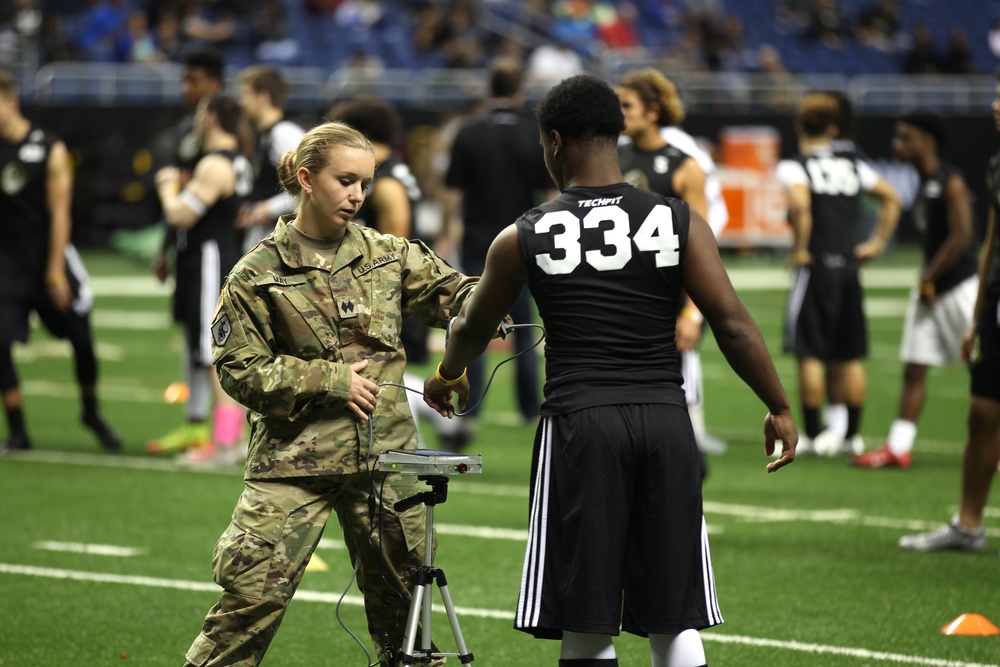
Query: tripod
x=423 y=576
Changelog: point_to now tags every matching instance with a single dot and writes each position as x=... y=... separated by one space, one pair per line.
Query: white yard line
x=334 y=598
x=91 y=549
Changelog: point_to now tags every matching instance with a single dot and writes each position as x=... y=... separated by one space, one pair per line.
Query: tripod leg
x=409 y=638
x=463 y=653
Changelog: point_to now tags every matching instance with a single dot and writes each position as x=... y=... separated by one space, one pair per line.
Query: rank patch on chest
x=221 y=330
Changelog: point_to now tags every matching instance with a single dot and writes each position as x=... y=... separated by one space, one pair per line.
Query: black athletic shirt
x=217 y=223
x=836 y=202
x=604 y=268
x=24 y=210
x=497 y=163
x=993 y=182
x=651 y=170
x=930 y=215
x=394 y=168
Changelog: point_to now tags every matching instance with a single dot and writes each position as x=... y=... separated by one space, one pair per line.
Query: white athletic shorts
x=932 y=335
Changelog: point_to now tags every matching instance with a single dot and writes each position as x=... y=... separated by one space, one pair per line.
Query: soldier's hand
x=362 y=399
x=781 y=427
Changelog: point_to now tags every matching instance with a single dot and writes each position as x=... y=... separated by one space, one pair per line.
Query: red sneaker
x=882 y=458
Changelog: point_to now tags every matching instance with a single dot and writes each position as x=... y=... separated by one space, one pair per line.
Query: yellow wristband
x=927 y=288
x=55 y=279
x=448 y=383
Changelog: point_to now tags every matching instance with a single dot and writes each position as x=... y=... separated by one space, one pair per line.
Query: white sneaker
x=210 y=456
x=855 y=446
x=829 y=443
x=711 y=445
x=949 y=536
x=806 y=447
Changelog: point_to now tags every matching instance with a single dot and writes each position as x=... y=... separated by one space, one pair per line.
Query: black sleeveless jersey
x=24 y=208
x=395 y=168
x=651 y=170
x=836 y=203
x=218 y=222
x=993 y=183
x=604 y=268
x=930 y=215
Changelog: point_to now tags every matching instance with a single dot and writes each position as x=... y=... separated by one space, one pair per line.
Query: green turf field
x=106 y=559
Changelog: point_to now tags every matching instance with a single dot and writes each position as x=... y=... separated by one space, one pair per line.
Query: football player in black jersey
x=940 y=308
x=981 y=349
x=617 y=537
x=202 y=211
x=42 y=270
x=826 y=327
x=649 y=104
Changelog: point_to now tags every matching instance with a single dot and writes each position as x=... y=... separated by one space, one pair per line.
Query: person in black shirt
x=202 y=212
x=825 y=326
x=42 y=270
x=940 y=309
x=496 y=172
x=616 y=536
x=202 y=78
x=981 y=349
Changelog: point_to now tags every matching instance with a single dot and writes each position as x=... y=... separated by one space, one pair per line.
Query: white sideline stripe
x=837 y=650
x=109 y=391
x=333 y=598
x=770 y=278
x=199 y=586
x=92 y=549
x=130 y=286
x=748 y=512
x=131 y=319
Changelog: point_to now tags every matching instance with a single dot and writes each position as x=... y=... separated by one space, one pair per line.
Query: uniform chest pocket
x=302 y=325
x=382 y=307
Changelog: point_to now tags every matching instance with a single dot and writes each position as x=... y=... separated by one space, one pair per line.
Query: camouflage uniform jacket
x=288 y=326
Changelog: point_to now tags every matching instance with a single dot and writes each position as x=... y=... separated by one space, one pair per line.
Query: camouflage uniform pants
x=260 y=559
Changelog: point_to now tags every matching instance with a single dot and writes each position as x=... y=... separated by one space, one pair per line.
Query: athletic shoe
x=806 y=447
x=711 y=445
x=18 y=442
x=182 y=438
x=110 y=441
x=882 y=458
x=855 y=446
x=949 y=536
x=209 y=456
x=829 y=443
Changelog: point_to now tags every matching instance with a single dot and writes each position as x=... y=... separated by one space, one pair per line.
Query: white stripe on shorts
x=210 y=289
x=711 y=601
x=84 y=300
x=529 y=602
x=795 y=299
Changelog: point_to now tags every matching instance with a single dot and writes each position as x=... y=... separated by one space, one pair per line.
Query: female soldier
x=306 y=334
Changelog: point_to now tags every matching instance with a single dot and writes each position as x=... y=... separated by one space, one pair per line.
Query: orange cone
x=970 y=624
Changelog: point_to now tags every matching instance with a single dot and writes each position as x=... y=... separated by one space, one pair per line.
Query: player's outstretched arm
x=707 y=282
x=477 y=322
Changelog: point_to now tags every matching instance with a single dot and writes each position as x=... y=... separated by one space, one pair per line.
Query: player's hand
x=60 y=295
x=968 y=343
x=688 y=333
x=168 y=175
x=441 y=397
x=800 y=258
x=362 y=398
x=781 y=427
x=161 y=268
x=868 y=250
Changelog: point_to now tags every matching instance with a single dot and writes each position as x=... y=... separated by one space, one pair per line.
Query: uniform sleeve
x=790 y=172
x=432 y=291
x=275 y=385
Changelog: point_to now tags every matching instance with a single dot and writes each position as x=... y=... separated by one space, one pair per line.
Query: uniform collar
x=297 y=256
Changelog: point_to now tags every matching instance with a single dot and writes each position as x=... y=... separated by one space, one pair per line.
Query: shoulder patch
x=221 y=330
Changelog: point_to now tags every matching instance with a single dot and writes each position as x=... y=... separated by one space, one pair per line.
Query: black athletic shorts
x=200 y=275
x=825 y=319
x=984 y=367
x=617 y=538
x=74 y=323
